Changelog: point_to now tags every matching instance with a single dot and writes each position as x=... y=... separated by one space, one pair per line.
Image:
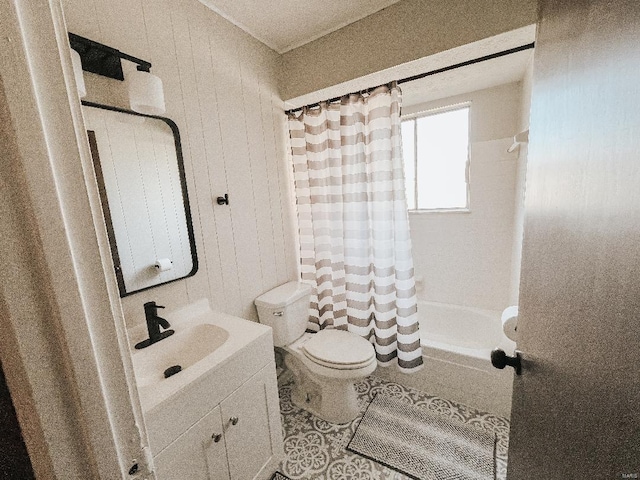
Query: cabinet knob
x=216 y=437
x=234 y=420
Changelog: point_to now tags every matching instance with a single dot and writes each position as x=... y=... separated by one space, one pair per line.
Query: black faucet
x=154 y=322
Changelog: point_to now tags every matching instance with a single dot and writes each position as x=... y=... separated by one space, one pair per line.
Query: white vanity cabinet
x=197 y=453
x=218 y=418
x=246 y=422
x=235 y=441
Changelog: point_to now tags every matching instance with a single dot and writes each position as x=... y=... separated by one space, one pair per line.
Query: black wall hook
x=223 y=200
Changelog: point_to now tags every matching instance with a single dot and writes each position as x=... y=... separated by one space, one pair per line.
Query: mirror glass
x=140 y=173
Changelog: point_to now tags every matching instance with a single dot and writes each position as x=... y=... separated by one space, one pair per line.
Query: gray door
x=576 y=406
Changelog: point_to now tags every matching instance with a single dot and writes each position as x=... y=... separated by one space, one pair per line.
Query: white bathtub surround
x=355 y=246
x=466 y=257
x=456 y=347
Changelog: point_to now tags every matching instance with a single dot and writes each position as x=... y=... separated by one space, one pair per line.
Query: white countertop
x=156 y=390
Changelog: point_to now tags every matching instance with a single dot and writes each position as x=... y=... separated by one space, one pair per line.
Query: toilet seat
x=338 y=349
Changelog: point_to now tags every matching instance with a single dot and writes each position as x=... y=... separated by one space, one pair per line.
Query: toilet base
x=333 y=400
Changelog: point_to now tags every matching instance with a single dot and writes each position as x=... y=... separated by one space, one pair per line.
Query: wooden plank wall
x=221 y=89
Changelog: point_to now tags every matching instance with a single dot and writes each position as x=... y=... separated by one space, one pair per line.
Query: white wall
x=403 y=32
x=465 y=258
x=38 y=381
x=518 y=222
x=61 y=339
x=221 y=89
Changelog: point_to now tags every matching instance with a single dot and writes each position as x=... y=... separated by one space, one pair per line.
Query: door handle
x=499 y=359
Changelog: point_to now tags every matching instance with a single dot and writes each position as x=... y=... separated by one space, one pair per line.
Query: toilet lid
x=339 y=349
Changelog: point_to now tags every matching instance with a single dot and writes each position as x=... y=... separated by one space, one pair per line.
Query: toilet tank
x=286 y=310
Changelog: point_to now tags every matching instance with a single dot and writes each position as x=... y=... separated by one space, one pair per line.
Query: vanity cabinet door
x=252 y=427
x=196 y=455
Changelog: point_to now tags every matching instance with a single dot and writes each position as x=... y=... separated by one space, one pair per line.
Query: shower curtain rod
x=431 y=72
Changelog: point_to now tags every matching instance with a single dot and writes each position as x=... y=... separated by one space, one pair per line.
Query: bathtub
x=456 y=345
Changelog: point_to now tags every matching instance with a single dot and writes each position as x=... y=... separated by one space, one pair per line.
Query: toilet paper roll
x=510 y=322
x=163 y=264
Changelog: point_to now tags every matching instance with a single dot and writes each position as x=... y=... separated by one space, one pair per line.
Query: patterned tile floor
x=316 y=450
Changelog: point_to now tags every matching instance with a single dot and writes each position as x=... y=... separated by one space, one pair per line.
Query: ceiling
x=287 y=24
x=284 y=25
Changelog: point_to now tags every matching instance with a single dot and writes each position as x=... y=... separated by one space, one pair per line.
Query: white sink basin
x=184 y=348
x=204 y=341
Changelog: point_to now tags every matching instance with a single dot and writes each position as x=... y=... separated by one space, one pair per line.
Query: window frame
x=426 y=113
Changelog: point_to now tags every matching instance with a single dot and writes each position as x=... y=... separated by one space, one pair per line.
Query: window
x=436 y=155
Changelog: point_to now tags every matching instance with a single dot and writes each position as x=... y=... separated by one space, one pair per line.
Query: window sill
x=439 y=210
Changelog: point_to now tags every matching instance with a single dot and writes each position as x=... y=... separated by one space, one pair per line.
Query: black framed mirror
x=139 y=168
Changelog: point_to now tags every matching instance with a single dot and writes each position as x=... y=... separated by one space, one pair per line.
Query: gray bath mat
x=421 y=444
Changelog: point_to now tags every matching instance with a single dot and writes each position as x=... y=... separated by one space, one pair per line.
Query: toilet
x=325 y=365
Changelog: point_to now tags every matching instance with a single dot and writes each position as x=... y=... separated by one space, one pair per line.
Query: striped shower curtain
x=355 y=247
